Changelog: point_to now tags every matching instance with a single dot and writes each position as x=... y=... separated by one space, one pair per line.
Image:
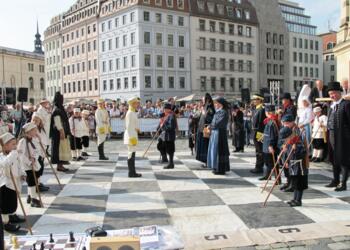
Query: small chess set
x=51 y=242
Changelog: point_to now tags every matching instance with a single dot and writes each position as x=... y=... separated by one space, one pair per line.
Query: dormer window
x=247 y=14
x=169 y=3
x=180 y=4
x=159 y=2
x=220 y=9
x=200 y=5
x=238 y=13
x=211 y=7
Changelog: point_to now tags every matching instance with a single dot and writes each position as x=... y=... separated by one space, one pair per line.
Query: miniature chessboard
x=61 y=242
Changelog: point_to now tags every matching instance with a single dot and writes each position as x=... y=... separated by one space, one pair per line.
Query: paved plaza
x=208 y=211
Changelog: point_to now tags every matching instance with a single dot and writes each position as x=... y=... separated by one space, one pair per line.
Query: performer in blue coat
x=270 y=140
x=218 y=153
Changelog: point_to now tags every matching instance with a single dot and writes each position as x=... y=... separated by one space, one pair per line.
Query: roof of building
x=22 y=53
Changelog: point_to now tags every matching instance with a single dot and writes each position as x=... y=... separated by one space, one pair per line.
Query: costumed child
x=297 y=164
x=10 y=163
x=76 y=125
x=85 y=138
x=29 y=155
x=42 y=139
x=319 y=135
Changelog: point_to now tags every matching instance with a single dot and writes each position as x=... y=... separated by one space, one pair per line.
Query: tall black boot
x=171 y=162
x=101 y=153
x=164 y=158
x=131 y=166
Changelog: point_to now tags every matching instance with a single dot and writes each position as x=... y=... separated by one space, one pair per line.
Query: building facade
x=305 y=47
x=342 y=49
x=224 y=47
x=53 y=57
x=273 y=44
x=329 y=59
x=144 y=49
x=23 y=69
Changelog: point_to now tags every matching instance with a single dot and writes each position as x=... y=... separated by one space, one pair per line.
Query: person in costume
x=319 y=135
x=298 y=169
x=258 y=127
x=238 y=131
x=10 y=163
x=132 y=130
x=305 y=118
x=41 y=142
x=77 y=127
x=288 y=107
x=218 y=152
x=29 y=154
x=85 y=139
x=59 y=133
x=167 y=133
x=270 y=141
x=44 y=111
x=102 y=128
x=205 y=119
x=339 y=136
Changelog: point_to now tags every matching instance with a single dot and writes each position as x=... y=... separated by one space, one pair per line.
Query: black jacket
x=314 y=94
x=168 y=130
x=258 y=120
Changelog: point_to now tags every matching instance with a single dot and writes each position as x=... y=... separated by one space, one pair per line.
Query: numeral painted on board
x=216 y=237
x=289 y=230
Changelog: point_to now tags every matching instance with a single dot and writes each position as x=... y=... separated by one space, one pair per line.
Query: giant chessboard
x=208 y=211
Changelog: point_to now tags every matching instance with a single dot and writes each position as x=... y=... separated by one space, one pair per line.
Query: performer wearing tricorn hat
x=132 y=130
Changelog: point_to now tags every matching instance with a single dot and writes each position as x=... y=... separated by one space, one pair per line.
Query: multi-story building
x=329 y=61
x=342 y=49
x=23 y=69
x=305 y=47
x=224 y=47
x=273 y=44
x=80 y=50
x=144 y=49
x=53 y=57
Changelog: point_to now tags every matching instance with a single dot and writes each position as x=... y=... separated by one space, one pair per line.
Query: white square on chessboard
x=246 y=195
x=160 y=168
x=50 y=179
x=182 y=185
x=86 y=189
x=58 y=223
x=47 y=200
x=261 y=184
x=135 y=201
x=326 y=209
x=205 y=220
x=122 y=176
x=207 y=174
x=95 y=170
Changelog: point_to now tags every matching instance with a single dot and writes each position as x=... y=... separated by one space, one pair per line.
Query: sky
x=18 y=18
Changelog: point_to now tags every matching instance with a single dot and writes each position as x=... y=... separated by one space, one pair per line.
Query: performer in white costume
x=102 y=128
x=131 y=134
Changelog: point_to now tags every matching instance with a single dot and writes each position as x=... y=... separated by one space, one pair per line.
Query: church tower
x=37 y=42
x=343 y=33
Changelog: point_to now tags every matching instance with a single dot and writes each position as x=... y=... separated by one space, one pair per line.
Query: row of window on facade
x=31 y=68
x=80 y=86
x=214 y=84
x=51 y=90
x=223 y=46
x=52 y=46
x=222 y=28
x=274 y=39
x=52 y=75
x=80 y=15
x=32 y=84
x=158 y=19
x=305 y=58
x=300 y=28
x=79 y=67
x=75 y=50
x=330 y=58
x=53 y=60
x=305 y=44
x=275 y=69
x=306 y=72
x=231 y=64
x=160 y=84
x=79 y=33
x=219 y=8
x=275 y=55
x=169 y=3
x=296 y=18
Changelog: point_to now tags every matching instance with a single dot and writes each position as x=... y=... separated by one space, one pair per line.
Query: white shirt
x=46 y=116
x=317 y=131
x=114 y=113
x=77 y=126
x=305 y=116
x=24 y=156
x=7 y=162
x=131 y=124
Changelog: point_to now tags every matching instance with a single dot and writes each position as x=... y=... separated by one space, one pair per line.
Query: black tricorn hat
x=286 y=96
x=334 y=86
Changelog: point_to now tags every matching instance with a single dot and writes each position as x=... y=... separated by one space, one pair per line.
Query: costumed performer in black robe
x=238 y=138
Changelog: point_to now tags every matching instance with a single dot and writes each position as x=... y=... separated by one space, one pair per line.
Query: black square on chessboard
x=275 y=214
x=78 y=204
x=319 y=179
x=92 y=178
x=176 y=175
x=309 y=193
x=195 y=198
x=227 y=183
x=245 y=172
x=134 y=187
x=129 y=219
